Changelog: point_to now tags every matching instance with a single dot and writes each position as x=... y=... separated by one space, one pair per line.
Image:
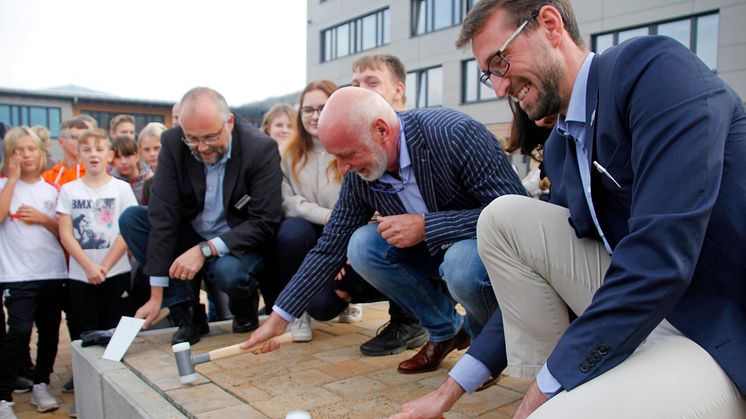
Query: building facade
x=52 y=106
x=422 y=34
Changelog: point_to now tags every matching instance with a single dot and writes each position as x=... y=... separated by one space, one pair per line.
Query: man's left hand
x=531 y=401
x=402 y=231
x=434 y=404
x=187 y=265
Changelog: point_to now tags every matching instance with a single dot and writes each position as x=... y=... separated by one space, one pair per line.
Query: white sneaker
x=43 y=399
x=352 y=314
x=300 y=328
x=6 y=410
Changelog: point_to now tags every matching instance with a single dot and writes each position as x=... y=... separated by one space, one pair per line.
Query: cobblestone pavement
x=328 y=377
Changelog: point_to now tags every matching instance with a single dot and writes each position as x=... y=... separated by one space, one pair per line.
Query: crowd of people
x=625 y=279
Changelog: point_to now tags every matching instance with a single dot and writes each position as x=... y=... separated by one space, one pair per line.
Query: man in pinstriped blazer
x=428 y=172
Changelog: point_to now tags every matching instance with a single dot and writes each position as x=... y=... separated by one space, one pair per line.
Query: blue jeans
x=237 y=277
x=413 y=278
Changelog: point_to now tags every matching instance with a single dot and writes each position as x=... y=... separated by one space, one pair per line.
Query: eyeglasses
x=308 y=111
x=497 y=64
x=209 y=140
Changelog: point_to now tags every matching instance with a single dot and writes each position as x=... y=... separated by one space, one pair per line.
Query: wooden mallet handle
x=236 y=349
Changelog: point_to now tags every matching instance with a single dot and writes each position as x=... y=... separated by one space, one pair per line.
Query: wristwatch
x=206 y=250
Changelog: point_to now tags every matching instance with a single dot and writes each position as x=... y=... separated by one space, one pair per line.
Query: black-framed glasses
x=308 y=111
x=209 y=140
x=497 y=64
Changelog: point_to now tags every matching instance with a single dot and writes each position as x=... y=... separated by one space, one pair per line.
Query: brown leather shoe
x=432 y=354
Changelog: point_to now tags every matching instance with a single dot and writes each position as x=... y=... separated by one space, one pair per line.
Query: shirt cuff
x=470 y=373
x=220 y=246
x=547 y=383
x=159 y=281
x=284 y=314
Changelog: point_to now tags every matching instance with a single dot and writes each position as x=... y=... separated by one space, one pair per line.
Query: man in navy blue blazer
x=644 y=238
x=429 y=173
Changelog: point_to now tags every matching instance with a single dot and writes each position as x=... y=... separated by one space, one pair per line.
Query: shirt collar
x=404 y=159
x=576 y=107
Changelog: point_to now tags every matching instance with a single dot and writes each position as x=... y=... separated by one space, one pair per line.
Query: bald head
x=206 y=122
x=202 y=100
x=361 y=130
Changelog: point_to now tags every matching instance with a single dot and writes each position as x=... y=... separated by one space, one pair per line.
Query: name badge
x=242 y=202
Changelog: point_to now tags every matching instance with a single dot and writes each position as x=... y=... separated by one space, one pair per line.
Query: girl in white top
x=32 y=264
x=89 y=210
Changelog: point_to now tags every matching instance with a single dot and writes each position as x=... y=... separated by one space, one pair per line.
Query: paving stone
x=349 y=368
x=355 y=387
x=298 y=380
x=512 y=383
x=479 y=403
x=306 y=399
x=203 y=398
x=242 y=411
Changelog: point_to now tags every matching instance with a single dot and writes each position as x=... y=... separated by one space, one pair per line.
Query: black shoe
x=246 y=318
x=188 y=331
x=395 y=337
x=69 y=386
x=21 y=385
x=244 y=325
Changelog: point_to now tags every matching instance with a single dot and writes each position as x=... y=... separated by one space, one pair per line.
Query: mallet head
x=183 y=355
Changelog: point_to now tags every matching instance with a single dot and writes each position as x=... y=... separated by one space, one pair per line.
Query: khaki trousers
x=538 y=267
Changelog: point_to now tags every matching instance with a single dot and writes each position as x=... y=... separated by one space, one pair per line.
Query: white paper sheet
x=127 y=330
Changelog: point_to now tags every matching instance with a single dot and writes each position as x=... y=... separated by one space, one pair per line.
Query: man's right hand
x=149 y=311
x=274 y=326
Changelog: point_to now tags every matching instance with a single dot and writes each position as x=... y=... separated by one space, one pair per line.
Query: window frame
x=329 y=36
x=653 y=27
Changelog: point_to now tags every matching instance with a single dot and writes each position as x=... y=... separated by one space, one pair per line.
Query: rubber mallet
x=185 y=362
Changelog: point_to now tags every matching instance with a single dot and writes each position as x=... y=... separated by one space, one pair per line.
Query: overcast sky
x=248 y=50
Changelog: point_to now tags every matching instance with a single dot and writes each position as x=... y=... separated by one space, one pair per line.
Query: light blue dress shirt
x=410 y=196
x=211 y=221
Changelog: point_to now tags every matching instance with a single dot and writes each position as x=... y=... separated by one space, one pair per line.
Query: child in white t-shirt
x=32 y=265
x=89 y=210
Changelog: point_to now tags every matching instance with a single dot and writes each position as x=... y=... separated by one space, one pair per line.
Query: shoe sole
x=413 y=343
x=302 y=339
x=21 y=390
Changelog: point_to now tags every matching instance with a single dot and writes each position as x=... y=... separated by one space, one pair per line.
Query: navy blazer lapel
x=232 y=168
x=591 y=108
x=420 y=157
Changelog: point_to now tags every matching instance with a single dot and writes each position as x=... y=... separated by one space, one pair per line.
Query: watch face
x=206 y=251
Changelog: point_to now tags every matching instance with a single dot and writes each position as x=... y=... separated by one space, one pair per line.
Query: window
x=103 y=118
x=32 y=115
x=471 y=89
x=360 y=34
x=432 y=15
x=425 y=87
x=698 y=33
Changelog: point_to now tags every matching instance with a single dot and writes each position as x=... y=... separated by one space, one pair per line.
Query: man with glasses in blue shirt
x=428 y=172
x=646 y=164
x=214 y=208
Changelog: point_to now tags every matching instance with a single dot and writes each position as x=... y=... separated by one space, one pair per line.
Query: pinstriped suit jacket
x=460 y=168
